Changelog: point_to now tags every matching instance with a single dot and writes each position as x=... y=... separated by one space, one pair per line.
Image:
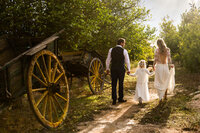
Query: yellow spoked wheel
x=96 y=76
x=48 y=89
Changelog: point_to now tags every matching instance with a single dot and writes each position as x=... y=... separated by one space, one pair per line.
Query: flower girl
x=142 y=90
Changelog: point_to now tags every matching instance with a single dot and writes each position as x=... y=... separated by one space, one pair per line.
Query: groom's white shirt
x=126 y=57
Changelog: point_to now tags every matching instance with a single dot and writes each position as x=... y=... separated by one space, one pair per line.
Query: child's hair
x=142 y=64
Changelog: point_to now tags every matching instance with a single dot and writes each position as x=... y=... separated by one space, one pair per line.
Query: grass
x=84 y=105
x=174 y=112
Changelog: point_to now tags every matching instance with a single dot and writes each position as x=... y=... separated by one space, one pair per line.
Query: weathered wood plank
x=71 y=53
x=15 y=68
x=15 y=76
x=15 y=84
x=33 y=50
x=6 y=56
x=41 y=45
x=70 y=58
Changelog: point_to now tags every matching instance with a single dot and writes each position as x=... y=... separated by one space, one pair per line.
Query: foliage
x=89 y=24
x=184 y=42
x=170 y=34
x=189 y=31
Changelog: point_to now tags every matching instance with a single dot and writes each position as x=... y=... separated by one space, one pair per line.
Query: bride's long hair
x=162 y=46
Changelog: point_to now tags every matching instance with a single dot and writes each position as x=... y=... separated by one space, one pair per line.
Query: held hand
x=128 y=72
x=171 y=66
x=150 y=69
x=107 y=72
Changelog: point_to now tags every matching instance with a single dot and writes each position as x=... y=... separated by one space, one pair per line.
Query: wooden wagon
x=150 y=63
x=34 y=68
x=86 y=64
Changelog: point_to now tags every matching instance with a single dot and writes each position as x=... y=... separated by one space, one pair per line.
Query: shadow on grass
x=84 y=108
x=123 y=120
x=186 y=84
x=174 y=105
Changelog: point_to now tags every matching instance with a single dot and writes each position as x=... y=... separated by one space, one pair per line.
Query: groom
x=117 y=57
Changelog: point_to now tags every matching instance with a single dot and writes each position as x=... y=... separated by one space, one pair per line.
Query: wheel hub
x=53 y=88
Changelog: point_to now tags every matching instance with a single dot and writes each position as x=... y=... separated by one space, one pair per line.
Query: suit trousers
x=117 y=75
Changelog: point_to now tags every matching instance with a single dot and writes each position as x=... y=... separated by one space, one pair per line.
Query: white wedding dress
x=142 y=90
x=164 y=78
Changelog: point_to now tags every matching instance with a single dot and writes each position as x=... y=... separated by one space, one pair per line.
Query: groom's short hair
x=120 y=40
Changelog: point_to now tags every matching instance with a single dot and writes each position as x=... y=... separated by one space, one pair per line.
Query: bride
x=164 y=79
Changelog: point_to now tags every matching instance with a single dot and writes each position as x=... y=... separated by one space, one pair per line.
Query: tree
x=89 y=24
x=189 y=32
x=171 y=36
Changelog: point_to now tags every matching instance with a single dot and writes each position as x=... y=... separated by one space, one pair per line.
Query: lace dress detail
x=157 y=57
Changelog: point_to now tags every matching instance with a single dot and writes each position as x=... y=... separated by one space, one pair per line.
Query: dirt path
x=120 y=119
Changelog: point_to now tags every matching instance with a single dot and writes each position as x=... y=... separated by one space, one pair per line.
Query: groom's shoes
x=122 y=101
x=114 y=102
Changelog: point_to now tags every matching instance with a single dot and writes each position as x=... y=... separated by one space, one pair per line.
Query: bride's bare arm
x=155 y=59
x=169 y=58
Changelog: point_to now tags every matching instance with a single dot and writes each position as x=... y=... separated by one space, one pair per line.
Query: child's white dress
x=142 y=89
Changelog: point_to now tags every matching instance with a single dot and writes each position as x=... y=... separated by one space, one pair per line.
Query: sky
x=161 y=8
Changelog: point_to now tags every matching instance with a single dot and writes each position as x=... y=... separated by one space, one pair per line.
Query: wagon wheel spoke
x=49 y=68
x=92 y=72
x=45 y=66
x=42 y=82
x=93 y=80
x=45 y=89
x=98 y=66
x=45 y=106
x=41 y=71
x=39 y=89
x=92 y=76
x=93 y=67
x=41 y=98
x=58 y=103
x=50 y=110
x=54 y=71
x=60 y=96
x=100 y=79
x=54 y=108
x=59 y=76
